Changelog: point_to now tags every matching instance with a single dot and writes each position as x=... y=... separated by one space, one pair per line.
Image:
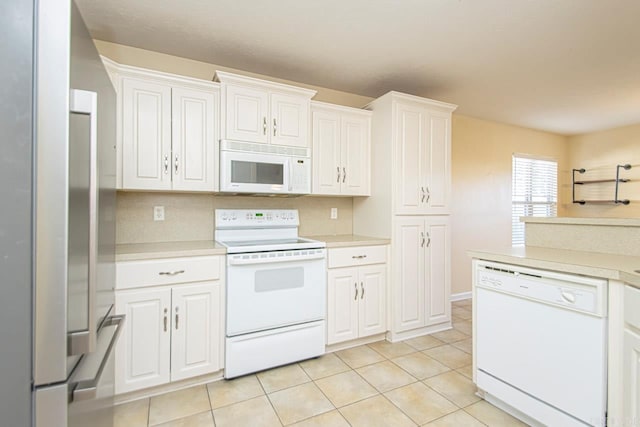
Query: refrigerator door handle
x=85 y=390
x=86 y=102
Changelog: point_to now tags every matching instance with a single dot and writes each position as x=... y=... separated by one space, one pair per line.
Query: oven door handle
x=239 y=260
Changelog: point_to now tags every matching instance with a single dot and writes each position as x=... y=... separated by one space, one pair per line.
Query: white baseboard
x=461 y=296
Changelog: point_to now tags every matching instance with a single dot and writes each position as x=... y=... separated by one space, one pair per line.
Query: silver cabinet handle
x=171 y=273
x=423 y=194
x=85 y=390
x=361 y=290
x=428 y=194
x=165 y=320
x=422 y=237
x=428 y=239
x=264 y=125
x=355 y=286
x=338 y=178
x=177 y=318
x=344 y=174
x=166 y=164
x=358 y=256
x=275 y=126
x=176 y=165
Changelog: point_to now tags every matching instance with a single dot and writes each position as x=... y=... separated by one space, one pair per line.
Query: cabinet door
x=342 y=304
x=631 y=376
x=142 y=352
x=327 y=174
x=438 y=270
x=196 y=334
x=246 y=114
x=356 y=143
x=438 y=168
x=193 y=139
x=411 y=154
x=289 y=122
x=409 y=274
x=371 y=313
x=146 y=135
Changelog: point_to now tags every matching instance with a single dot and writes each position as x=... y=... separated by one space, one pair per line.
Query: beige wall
x=599 y=153
x=481 y=181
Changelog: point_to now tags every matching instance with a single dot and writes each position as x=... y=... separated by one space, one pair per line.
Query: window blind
x=534 y=192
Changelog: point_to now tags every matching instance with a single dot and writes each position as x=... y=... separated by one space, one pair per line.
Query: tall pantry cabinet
x=410 y=204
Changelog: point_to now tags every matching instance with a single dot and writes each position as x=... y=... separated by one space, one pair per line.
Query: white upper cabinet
x=146 y=135
x=423 y=151
x=264 y=112
x=341 y=150
x=168 y=129
x=193 y=144
x=247 y=111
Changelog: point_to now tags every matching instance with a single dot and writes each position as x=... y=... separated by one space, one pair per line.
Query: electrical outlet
x=334 y=213
x=158 y=213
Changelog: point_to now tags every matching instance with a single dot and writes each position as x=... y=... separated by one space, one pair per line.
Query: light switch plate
x=334 y=213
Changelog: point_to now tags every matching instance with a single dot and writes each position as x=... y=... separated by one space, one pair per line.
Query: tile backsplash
x=190 y=216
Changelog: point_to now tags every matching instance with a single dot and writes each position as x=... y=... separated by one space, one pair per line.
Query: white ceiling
x=565 y=66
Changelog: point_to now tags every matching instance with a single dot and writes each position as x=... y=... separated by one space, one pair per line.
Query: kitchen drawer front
x=357 y=255
x=136 y=274
x=631 y=304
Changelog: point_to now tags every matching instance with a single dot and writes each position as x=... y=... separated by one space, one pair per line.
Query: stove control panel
x=248 y=218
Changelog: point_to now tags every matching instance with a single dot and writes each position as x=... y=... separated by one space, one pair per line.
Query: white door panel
x=246 y=114
x=146 y=135
x=372 y=309
x=195 y=330
x=142 y=352
x=342 y=304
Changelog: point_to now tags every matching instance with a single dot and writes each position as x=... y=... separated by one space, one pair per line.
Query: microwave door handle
x=291 y=175
x=86 y=102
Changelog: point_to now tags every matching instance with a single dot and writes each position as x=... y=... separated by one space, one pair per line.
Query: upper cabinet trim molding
x=334 y=107
x=130 y=71
x=399 y=96
x=224 y=77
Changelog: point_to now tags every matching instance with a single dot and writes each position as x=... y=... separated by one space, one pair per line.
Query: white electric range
x=275 y=290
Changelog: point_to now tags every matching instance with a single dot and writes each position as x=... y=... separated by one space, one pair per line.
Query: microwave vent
x=263 y=148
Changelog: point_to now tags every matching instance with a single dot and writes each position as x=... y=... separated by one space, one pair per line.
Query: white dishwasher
x=540 y=344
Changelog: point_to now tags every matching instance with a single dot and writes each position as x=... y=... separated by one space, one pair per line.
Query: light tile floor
x=423 y=381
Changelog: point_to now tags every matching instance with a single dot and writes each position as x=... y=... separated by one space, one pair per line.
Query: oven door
x=254 y=173
x=286 y=289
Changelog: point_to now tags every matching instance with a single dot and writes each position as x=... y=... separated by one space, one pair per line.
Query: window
x=534 y=192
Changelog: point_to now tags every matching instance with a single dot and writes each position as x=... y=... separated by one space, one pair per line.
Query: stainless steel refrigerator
x=59 y=236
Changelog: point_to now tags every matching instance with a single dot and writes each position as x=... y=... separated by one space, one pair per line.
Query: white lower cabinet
x=356 y=302
x=631 y=360
x=422 y=280
x=171 y=332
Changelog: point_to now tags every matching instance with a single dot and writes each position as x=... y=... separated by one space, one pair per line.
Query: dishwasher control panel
x=584 y=294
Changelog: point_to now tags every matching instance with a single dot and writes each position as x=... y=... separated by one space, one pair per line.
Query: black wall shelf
x=617 y=180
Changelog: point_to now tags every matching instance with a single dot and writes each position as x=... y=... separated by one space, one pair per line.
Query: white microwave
x=262 y=168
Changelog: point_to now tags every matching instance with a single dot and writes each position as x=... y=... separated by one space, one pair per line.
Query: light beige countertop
x=616 y=222
x=141 y=251
x=608 y=266
x=349 y=240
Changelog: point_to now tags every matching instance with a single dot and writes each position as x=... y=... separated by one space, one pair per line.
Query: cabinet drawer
x=135 y=274
x=357 y=255
x=631 y=304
